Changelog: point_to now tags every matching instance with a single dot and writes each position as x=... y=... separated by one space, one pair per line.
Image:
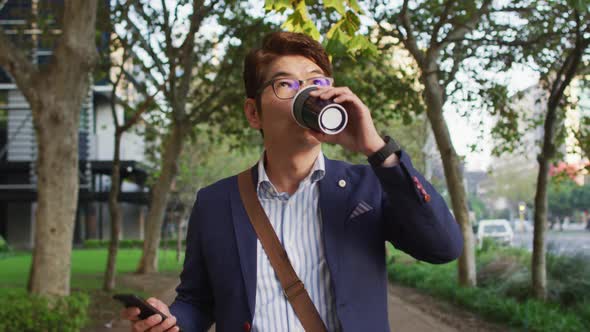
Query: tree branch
x=144 y=106
x=442 y=19
x=502 y=42
x=17 y=65
x=147 y=47
x=568 y=70
x=166 y=27
x=410 y=38
x=114 y=89
x=461 y=30
x=187 y=55
x=146 y=70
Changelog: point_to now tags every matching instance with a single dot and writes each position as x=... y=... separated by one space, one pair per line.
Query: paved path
x=409 y=311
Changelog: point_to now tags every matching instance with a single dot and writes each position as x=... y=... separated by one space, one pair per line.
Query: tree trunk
x=180 y=235
x=141 y=223
x=538 y=268
x=538 y=260
x=57 y=193
x=115 y=211
x=538 y=265
x=179 y=241
x=169 y=167
x=562 y=80
x=433 y=95
x=56 y=97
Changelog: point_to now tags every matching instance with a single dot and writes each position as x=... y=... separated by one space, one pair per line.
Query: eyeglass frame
x=271 y=83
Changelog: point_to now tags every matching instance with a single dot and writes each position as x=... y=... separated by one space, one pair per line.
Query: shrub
x=3 y=245
x=583 y=309
x=33 y=313
x=569 y=278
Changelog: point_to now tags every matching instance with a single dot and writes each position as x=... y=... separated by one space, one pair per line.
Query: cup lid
x=331 y=118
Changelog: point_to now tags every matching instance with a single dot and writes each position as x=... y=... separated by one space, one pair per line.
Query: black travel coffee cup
x=317 y=114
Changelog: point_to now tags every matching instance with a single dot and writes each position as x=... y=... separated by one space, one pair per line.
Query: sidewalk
x=409 y=311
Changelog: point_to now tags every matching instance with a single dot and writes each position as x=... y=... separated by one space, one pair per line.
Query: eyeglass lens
x=286 y=88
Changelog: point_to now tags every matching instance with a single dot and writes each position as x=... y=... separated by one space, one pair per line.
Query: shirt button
x=342 y=183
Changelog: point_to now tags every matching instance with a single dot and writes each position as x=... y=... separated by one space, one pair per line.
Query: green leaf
x=337 y=44
x=582 y=6
x=299 y=21
x=277 y=5
x=334 y=27
x=338 y=5
x=351 y=23
x=355 y=6
x=356 y=44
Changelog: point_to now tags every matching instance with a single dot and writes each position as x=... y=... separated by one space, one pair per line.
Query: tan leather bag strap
x=293 y=288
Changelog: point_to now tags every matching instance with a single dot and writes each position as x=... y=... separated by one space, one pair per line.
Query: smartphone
x=132 y=300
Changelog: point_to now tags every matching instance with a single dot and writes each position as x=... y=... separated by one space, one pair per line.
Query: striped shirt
x=297 y=221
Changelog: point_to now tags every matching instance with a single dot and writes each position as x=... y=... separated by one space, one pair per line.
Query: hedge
x=27 y=313
x=529 y=314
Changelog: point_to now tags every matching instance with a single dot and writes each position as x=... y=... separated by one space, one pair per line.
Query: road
x=567 y=242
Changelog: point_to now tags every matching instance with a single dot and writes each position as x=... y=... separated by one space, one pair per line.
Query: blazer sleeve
x=415 y=217
x=193 y=306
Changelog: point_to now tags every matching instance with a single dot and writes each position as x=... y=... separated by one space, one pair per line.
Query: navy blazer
x=218 y=281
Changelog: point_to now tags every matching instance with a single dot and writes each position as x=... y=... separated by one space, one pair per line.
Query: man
x=332 y=218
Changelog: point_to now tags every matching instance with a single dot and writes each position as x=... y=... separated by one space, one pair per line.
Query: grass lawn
x=87 y=276
x=88 y=267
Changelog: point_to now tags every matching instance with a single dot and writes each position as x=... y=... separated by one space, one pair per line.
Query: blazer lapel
x=334 y=191
x=246 y=241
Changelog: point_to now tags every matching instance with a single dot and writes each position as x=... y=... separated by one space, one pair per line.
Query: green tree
x=55 y=93
x=171 y=53
x=438 y=37
x=560 y=198
x=203 y=85
x=342 y=28
x=115 y=63
x=565 y=197
x=553 y=37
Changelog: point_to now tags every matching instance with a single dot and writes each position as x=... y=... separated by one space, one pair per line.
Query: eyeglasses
x=286 y=88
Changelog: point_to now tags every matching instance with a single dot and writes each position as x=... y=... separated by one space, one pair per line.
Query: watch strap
x=391 y=147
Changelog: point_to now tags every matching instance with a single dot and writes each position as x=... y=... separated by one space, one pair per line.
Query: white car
x=497 y=229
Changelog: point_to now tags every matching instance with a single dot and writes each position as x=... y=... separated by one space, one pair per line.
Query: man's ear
x=252 y=114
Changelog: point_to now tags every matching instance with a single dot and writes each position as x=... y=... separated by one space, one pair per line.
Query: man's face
x=274 y=116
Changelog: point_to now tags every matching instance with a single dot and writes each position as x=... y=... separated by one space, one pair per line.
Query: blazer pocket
x=361 y=209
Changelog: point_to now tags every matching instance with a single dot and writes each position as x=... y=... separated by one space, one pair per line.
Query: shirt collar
x=318 y=171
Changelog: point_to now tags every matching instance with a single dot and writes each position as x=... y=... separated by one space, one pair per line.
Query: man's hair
x=279 y=44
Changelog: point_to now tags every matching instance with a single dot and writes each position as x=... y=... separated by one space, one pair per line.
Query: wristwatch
x=391 y=147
